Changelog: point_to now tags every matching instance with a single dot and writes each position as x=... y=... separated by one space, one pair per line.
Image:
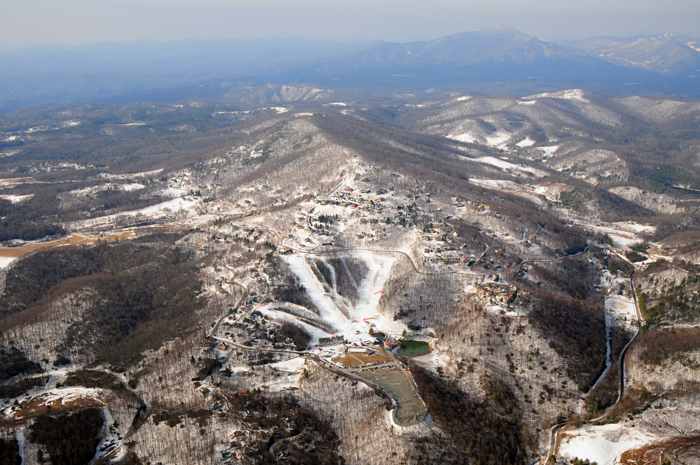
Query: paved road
x=624 y=351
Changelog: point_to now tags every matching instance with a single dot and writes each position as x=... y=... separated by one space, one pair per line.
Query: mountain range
x=494 y=61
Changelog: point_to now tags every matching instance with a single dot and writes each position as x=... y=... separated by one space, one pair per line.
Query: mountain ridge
x=501 y=61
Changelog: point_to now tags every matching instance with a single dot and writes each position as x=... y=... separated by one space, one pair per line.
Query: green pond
x=413 y=348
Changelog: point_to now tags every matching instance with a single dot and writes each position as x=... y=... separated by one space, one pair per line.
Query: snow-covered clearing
x=527 y=142
x=602 y=444
x=154 y=211
x=466 y=137
x=495 y=183
x=510 y=166
x=289 y=373
x=497 y=138
x=13 y=199
x=463 y=98
x=5 y=261
x=508 y=186
x=433 y=360
x=131 y=175
x=620 y=239
x=526 y=102
x=293 y=365
x=548 y=152
x=110 y=186
x=571 y=94
x=634 y=227
x=621 y=307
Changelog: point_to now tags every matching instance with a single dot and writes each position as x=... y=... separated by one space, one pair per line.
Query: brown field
x=351 y=361
x=337 y=359
x=374 y=358
x=686 y=447
x=73 y=239
x=15 y=180
x=356 y=360
x=41 y=404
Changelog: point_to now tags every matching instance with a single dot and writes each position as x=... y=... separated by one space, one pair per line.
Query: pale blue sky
x=29 y=22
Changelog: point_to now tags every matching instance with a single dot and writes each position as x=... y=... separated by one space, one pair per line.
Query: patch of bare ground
x=50 y=404
x=73 y=239
x=684 y=450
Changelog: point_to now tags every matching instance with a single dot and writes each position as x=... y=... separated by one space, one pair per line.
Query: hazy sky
x=28 y=22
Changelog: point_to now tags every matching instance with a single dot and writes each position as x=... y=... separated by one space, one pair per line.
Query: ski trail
x=333 y=278
x=328 y=310
x=347 y=270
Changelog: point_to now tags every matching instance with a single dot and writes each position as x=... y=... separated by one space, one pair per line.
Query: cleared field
x=414 y=348
x=351 y=362
x=374 y=358
x=684 y=449
x=56 y=403
x=410 y=408
x=10 y=181
x=73 y=239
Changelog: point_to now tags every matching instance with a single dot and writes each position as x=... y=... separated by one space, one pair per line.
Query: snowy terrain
x=356 y=327
x=602 y=444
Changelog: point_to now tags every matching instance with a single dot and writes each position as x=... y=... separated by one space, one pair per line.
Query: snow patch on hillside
x=571 y=94
x=621 y=307
x=466 y=137
x=510 y=166
x=5 y=261
x=13 y=199
x=497 y=138
x=154 y=211
x=527 y=142
x=602 y=444
x=548 y=152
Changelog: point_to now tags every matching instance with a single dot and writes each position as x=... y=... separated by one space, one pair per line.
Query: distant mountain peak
x=499 y=30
